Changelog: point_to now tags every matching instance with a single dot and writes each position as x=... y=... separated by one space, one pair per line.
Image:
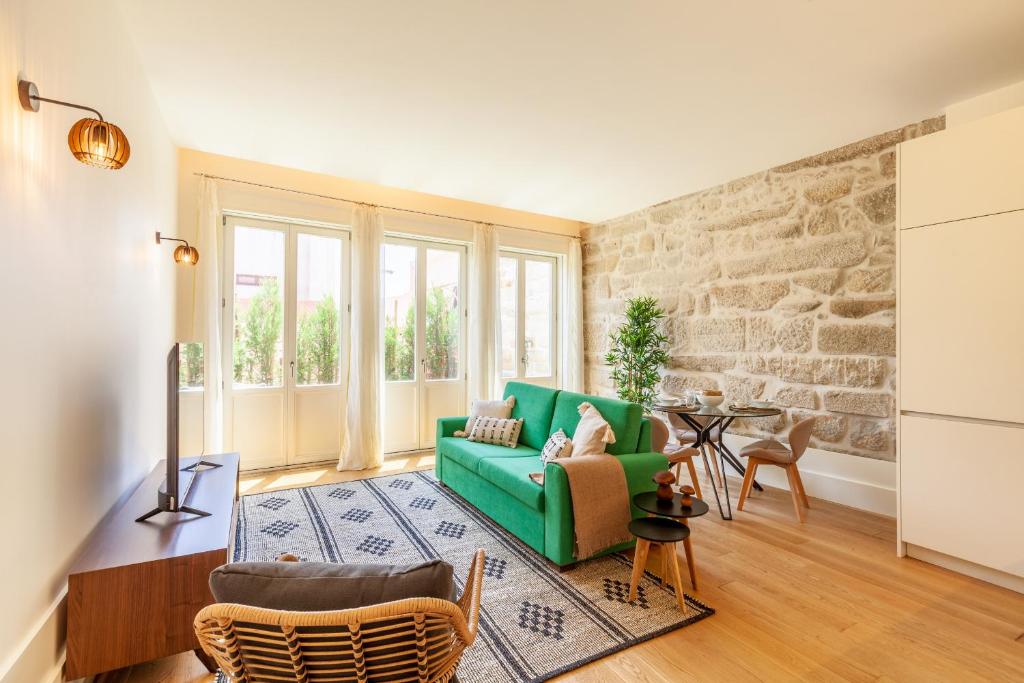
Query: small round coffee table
x=679 y=513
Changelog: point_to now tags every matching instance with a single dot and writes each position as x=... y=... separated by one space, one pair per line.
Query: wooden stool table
x=663 y=532
x=678 y=514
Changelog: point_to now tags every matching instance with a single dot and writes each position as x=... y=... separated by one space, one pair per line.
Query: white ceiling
x=584 y=109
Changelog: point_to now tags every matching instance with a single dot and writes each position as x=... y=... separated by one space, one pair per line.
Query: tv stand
x=202 y=463
x=167 y=504
x=135 y=590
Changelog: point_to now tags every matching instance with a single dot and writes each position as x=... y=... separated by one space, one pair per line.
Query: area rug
x=535 y=621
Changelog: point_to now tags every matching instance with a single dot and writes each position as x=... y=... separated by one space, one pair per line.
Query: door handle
x=292 y=364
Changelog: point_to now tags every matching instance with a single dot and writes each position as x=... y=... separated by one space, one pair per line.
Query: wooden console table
x=134 y=592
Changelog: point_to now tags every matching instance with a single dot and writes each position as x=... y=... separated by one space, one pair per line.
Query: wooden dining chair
x=772 y=452
x=677 y=454
x=688 y=437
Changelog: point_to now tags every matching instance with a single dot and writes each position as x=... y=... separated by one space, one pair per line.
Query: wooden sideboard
x=135 y=590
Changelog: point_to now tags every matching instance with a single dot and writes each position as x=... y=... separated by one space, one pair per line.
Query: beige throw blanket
x=600 y=502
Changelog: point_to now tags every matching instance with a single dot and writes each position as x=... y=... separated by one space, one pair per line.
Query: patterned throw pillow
x=557 y=446
x=480 y=408
x=495 y=430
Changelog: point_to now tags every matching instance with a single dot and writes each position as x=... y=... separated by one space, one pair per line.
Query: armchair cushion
x=322 y=586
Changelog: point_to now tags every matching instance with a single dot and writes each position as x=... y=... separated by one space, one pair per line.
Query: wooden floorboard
x=827 y=600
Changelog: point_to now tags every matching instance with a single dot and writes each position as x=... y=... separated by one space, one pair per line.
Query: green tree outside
x=317 y=344
x=442 y=335
x=257 y=333
x=190 y=367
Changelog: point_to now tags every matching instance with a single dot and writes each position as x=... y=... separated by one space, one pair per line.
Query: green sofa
x=495 y=479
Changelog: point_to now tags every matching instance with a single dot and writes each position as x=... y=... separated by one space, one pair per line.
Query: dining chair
x=677 y=454
x=772 y=452
x=688 y=437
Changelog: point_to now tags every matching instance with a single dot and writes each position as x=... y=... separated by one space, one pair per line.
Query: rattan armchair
x=417 y=639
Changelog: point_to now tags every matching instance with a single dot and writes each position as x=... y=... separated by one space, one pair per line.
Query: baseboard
x=40 y=656
x=861 y=483
x=966 y=567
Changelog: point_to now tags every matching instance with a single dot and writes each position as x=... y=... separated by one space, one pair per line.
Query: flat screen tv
x=178 y=481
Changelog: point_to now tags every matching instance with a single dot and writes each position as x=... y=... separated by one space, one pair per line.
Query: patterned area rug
x=535 y=622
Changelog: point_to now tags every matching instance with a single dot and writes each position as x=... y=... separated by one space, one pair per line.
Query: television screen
x=171 y=483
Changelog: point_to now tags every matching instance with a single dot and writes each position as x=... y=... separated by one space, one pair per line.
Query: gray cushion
x=322 y=586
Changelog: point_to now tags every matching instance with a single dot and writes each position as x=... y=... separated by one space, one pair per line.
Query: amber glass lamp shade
x=101 y=144
x=186 y=255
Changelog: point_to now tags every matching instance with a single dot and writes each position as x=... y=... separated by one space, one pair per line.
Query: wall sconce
x=92 y=141
x=183 y=253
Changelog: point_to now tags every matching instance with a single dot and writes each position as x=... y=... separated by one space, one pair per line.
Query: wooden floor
x=824 y=601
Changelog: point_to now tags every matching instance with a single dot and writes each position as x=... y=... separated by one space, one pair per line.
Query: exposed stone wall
x=778 y=285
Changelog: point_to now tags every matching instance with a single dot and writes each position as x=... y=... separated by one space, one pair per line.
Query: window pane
x=509 y=299
x=259 y=321
x=191 y=366
x=317 y=309
x=537 y=328
x=443 y=319
x=399 y=312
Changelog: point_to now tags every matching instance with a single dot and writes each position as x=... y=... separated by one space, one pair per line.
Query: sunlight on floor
x=294 y=479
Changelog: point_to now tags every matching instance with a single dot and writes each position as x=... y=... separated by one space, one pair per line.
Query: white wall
x=87 y=299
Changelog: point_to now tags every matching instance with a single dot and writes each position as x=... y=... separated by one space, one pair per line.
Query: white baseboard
x=40 y=655
x=856 y=482
x=960 y=566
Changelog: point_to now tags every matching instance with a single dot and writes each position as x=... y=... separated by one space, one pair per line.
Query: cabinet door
x=961 y=317
x=970 y=170
x=960 y=485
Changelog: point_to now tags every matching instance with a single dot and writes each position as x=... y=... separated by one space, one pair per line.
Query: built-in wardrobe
x=961 y=348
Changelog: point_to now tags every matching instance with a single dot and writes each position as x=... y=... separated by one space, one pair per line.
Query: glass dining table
x=706 y=422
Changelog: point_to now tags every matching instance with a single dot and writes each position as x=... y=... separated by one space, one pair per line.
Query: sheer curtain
x=206 y=305
x=572 y=356
x=484 y=318
x=361 y=442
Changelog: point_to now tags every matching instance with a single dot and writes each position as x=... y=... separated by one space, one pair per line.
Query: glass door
x=424 y=340
x=529 y=322
x=285 y=314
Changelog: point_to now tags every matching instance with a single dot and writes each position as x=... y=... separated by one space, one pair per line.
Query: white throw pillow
x=592 y=433
x=557 y=446
x=478 y=408
x=495 y=430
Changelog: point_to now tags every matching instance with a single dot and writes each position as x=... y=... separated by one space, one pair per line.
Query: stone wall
x=778 y=285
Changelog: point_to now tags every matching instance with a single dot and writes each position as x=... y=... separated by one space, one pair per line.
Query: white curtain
x=206 y=306
x=484 y=320
x=361 y=442
x=572 y=355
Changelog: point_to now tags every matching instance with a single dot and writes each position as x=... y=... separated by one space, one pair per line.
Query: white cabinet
x=962 y=316
x=960 y=352
x=972 y=170
x=960 y=490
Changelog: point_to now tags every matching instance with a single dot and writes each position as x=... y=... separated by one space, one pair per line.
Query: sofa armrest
x=447 y=426
x=644 y=443
x=558 y=519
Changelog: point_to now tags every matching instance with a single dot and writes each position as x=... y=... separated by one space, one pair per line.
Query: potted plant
x=637 y=352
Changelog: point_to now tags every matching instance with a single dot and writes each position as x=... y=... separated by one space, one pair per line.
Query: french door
x=424 y=315
x=527 y=295
x=285 y=314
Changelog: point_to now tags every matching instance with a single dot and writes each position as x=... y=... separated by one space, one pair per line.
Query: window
x=528 y=316
x=399 y=312
x=258 y=349
x=191 y=366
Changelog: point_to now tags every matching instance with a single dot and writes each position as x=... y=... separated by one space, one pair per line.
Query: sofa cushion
x=470 y=453
x=534 y=406
x=624 y=418
x=512 y=475
x=320 y=586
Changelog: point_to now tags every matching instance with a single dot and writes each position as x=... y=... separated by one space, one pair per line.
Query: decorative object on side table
x=685 y=496
x=664 y=480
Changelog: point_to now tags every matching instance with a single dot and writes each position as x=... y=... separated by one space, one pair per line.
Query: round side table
x=676 y=511
x=662 y=532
